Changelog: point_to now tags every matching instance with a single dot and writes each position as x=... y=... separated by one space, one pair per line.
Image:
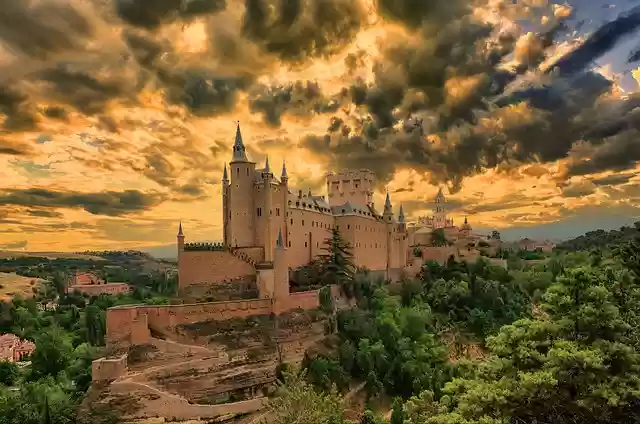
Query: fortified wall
x=132 y=324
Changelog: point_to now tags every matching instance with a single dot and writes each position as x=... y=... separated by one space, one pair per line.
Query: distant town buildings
x=92 y=284
x=14 y=349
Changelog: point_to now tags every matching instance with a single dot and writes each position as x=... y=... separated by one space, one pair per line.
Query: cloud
x=151 y=14
x=110 y=203
x=15 y=245
x=300 y=29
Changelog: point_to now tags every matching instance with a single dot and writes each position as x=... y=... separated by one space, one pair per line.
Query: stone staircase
x=243 y=256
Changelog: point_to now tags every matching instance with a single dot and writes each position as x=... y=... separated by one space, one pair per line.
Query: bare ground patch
x=12 y=284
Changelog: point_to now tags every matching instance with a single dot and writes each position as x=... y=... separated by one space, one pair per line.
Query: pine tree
x=337 y=262
x=46 y=419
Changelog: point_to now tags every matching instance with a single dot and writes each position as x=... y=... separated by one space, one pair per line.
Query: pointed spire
x=225 y=176
x=180 y=233
x=239 y=153
x=387 y=202
x=440 y=196
x=280 y=242
x=267 y=168
x=401 y=215
x=465 y=220
x=284 y=175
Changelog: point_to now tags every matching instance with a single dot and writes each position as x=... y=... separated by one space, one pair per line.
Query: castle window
x=289 y=203
x=247 y=171
x=292 y=221
x=277 y=211
x=259 y=211
x=238 y=171
x=289 y=244
x=297 y=203
x=303 y=222
x=348 y=227
x=305 y=244
x=317 y=244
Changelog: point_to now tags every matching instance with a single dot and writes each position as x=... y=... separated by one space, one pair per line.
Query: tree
x=397 y=413
x=438 y=238
x=94 y=322
x=337 y=262
x=495 y=235
x=575 y=365
x=297 y=402
x=52 y=354
x=9 y=373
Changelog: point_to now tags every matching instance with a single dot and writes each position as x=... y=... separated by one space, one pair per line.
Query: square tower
x=350 y=186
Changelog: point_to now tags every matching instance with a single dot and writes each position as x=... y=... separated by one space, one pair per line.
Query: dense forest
x=599 y=239
x=558 y=340
x=67 y=339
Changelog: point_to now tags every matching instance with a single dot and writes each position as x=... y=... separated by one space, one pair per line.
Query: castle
x=270 y=230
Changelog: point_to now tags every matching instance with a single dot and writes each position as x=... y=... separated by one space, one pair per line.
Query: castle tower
x=284 y=183
x=401 y=219
x=356 y=187
x=267 y=176
x=466 y=228
x=403 y=239
x=280 y=271
x=440 y=216
x=240 y=216
x=180 y=238
x=225 y=206
x=387 y=216
x=388 y=210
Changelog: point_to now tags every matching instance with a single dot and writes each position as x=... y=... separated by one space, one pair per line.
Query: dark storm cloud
x=151 y=14
x=295 y=30
x=488 y=121
x=302 y=99
x=614 y=180
x=39 y=28
x=86 y=93
x=15 y=148
x=110 y=203
x=618 y=153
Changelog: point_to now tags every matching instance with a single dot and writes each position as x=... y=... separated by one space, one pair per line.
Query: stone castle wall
x=197 y=267
x=131 y=324
x=107 y=369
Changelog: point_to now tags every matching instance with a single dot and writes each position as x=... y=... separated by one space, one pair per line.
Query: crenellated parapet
x=200 y=246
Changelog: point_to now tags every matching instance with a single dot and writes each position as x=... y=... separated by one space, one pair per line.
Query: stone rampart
x=197 y=267
x=302 y=300
x=108 y=369
x=160 y=317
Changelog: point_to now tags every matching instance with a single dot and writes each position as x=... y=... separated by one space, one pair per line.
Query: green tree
x=297 y=402
x=337 y=262
x=438 y=238
x=52 y=355
x=574 y=366
x=94 y=322
x=9 y=373
x=397 y=413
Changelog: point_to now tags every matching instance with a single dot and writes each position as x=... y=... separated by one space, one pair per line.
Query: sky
x=117 y=116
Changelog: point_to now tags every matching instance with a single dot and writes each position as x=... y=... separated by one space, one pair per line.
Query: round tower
x=240 y=197
x=225 y=206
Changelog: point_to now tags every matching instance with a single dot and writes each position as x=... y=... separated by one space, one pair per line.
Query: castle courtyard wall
x=307 y=231
x=198 y=267
x=124 y=323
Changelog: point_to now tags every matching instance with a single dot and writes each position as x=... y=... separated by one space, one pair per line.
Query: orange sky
x=105 y=144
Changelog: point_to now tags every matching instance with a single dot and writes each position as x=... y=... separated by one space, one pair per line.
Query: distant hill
x=600 y=238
